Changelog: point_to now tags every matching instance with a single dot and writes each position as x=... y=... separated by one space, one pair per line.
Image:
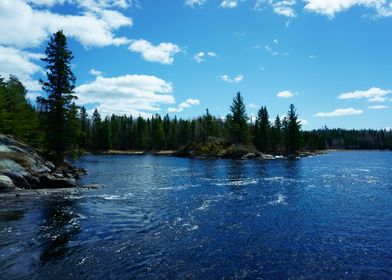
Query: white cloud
x=303 y=122
x=312 y=56
x=286 y=94
x=162 y=53
x=340 y=113
x=22 y=25
x=229 y=3
x=234 y=80
x=270 y=50
x=331 y=7
x=201 y=56
x=194 y=3
x=253 y=106
x=95 y=72
x=283 y=8
x=276 y=41
x=373 y=94
x=22 y=64
x=186 y=104
x=378 y=107
x=129 y=94
x=87 y=3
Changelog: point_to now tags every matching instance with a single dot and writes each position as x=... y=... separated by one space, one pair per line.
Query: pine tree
x=237 y=121
x=263 y=130
x=84 y=127
x=59 y=88
x=96 y=130
x=294 y=130
x=276 y=137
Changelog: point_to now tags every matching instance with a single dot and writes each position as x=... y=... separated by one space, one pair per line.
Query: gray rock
x=18 y=180
x=249 y=156
x=266 y=157
x=6 y=183
x=22 y=167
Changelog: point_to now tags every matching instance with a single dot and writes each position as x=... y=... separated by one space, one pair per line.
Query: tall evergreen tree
x=96 y=131
x=263 y=130
x=294 y=130
x=59 y=88
x=237 y=121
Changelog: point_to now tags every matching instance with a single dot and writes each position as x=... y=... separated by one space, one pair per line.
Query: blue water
x=324 y=217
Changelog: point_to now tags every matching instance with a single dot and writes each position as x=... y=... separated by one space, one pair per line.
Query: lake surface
x=323 y=217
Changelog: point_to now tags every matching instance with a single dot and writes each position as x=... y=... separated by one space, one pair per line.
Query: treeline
x=59 y=127
x=98 y=133
x=165 y=133
x=364 y=139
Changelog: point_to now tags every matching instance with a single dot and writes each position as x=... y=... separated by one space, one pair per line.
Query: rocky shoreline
x=21 y=167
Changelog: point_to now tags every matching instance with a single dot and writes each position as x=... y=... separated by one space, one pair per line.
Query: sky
x=331 y=58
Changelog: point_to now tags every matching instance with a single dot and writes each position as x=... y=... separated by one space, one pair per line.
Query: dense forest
x=59 y=127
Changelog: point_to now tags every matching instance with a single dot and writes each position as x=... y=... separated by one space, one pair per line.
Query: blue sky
x=332 y=59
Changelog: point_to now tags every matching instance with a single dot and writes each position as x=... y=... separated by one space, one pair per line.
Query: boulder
x=266 y=157
x=18 y=180
x=249 y=156
x=6 y=183
x=22 y=167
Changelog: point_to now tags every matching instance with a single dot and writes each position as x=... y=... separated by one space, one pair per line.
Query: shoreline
x=245 y=156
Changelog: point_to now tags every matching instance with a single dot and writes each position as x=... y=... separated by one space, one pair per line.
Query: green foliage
x=58 y=108
x=263 y=131
x=294 y=138
x=237 y=121
x=17 y=116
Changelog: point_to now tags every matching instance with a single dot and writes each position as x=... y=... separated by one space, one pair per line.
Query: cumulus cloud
x=201 y=56
x=95 y=72
x=234 y=80
x=332 y=7
x=340 y=113
x=22 y=64
x=162 y=53
x=253 y=106
x=186 y=104
x=229 y=3
x=195 y=3
x=378 y=107
x=129 y=94
x=285 y=94
x=22 y=25
x=373 y=94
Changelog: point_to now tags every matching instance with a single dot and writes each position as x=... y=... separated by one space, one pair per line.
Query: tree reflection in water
x=60 y=226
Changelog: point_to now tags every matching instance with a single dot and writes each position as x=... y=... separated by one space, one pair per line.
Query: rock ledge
x=21 y=167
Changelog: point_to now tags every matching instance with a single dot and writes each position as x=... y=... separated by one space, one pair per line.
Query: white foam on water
x=244 y=182
x=275 y=179
x=280 y=199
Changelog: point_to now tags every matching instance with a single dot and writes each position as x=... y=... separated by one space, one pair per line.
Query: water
x=324 y=217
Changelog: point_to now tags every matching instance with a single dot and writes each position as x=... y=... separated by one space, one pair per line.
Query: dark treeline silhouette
x=59 y=127
x=363 y=139
x=165 y=133
x=98 y=133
